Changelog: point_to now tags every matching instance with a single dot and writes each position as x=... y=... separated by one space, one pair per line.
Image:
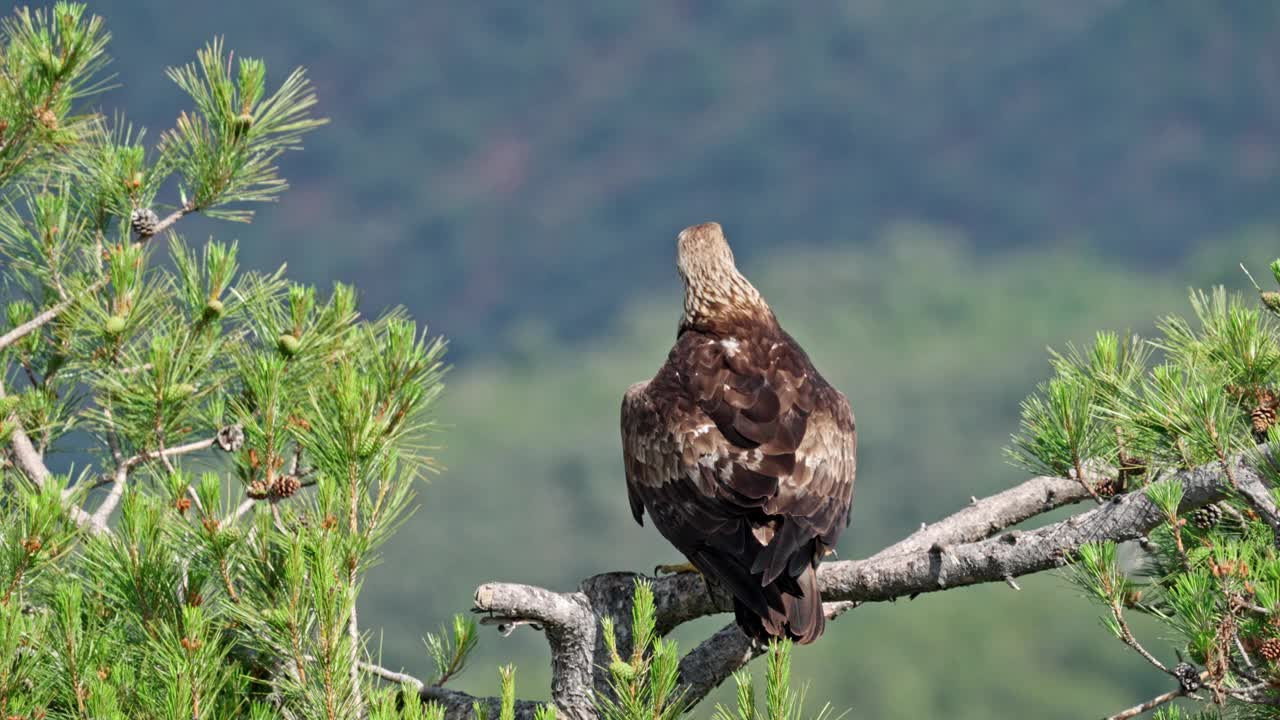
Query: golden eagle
x=739 y=449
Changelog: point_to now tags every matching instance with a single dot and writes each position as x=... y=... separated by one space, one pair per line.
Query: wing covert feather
x=739 y=444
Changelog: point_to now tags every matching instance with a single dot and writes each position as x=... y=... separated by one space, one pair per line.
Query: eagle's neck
x=716 y=296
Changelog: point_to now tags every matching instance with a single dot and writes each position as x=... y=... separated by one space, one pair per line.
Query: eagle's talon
x=508 y=625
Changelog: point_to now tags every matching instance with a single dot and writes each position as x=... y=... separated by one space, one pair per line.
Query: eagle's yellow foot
x=675 y=569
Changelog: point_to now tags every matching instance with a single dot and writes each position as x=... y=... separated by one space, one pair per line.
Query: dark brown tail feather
x=800 y=619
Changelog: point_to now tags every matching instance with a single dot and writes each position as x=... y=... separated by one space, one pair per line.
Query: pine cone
x=285 y=486
x=230 y=438
x=257 y=490
x=1263 y=417
x=1207 y=516
x=1270 y=649
x=144 y=222
x=1187 y=677
x=1107 y=488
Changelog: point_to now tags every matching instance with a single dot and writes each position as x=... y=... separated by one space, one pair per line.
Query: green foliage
x=449 y=650
x=1098 y=571
x=227 y=151
x=1060 y=432
x=1062 y=428
x=206 y=564
x=1176 y=713
x=644 y=683
x=1211 y=576
x=507 y=700
x=782 y=701
x=51 y=59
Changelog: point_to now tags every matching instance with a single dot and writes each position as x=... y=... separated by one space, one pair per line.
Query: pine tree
x=1210 y=574
x=252 y=442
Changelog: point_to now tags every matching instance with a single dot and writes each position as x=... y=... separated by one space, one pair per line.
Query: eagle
x=739 y=450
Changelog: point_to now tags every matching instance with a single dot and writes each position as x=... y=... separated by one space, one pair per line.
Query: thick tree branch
x=458 y=704
x=988 y=516
x=969 y=547
x=571 y=628
x=1255 y=491
x=709 y=664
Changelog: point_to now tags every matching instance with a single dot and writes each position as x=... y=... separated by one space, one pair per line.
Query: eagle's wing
x=744 y=457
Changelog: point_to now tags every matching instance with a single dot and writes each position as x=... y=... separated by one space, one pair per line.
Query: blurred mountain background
x=929 y=193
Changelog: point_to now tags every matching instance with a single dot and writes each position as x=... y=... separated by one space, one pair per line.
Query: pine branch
x=175 y=451
x=103 y=513
x=987 y=516
x=905 y=569
x=1149 y=705
x=52 y=313
x=47 y=316
x=32 y=464
x=391 y=675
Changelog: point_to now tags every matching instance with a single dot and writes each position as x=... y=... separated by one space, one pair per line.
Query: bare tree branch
x=391 y=675
x=103 y=513
x=1151 y=704
x=162 y=453
x=983 y=518
x=168 y=221
x=709 y=664
x=121 y=476
x=571 y=628
x=966 y=548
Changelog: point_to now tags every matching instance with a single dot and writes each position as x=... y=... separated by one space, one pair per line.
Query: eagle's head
x=713 y=287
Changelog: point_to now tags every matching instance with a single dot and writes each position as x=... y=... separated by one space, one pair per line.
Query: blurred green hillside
x=935 y=347
x=495 y=163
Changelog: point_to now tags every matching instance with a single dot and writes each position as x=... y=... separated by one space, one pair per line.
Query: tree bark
x=969 y=547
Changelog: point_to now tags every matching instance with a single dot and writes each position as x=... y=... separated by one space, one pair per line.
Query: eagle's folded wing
x=740 y=449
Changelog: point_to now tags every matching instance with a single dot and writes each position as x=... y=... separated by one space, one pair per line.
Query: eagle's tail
x=799 y=617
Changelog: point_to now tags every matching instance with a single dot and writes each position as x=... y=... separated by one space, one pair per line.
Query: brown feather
x=740 y=451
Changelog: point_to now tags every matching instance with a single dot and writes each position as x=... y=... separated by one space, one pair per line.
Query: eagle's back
x=744 y=456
